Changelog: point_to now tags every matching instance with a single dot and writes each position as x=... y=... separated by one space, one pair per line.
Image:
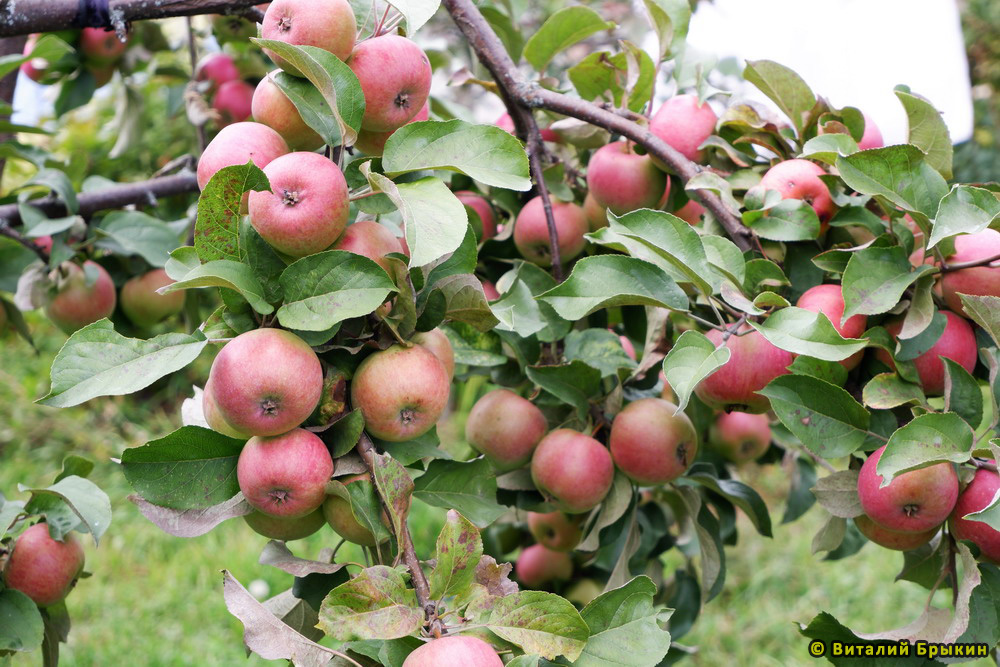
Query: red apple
x=490 y=290
x=958 y=343
x=624 y=181
x=799 y=179
x=487 y=217
x=284 y=528
x=684 y=124
x=401 y=391
x=531 y=231
x=214 y=418
x=691 y=212
x=327 y=24
x=740 y=436
x=100 y=46
x=892 y=539
x=369 y=239
x=37 y=69
x=978 y=495
x=74 y=304
x=233 y=102
x=537 y=566
x=555 y=530
x=266 y=381
x=976 y=281
x=505 y=428
x=454 y=651
x=395 y=77
x=753 y=363
x=307 y=207
x=913 y=502
x=652 y=442
x=237 y=144
x=272 y=107
x=437 y=342
x=42 y=568
x=572 y=468
x=872 y=137
x=829 y=300
x=285 y=475
x=372 y=143
x=218 y=68
x=143 y=305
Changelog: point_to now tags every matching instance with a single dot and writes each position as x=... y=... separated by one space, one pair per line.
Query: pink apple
x=327 y=24
x=829 y=300
x=976 y=281
x=372 y=143
x=799 y=179
x=272 y=107
x=401 y=391
x=652 y=442
x=233 y=101
x=483 y=209
x=74 y=304
x=892 y=539
x=266 y=381
x=691 y=212
x=285 y=475
x=531 y=231
x=978 y=495
x=505 y=428
x=307 y=207
x=395 y=77
x=237 y=144
x=913 y=502
x=685 y=124
x=555 y=530
x=217 y=68
x=490 y=290
x=284 y=528
x=537 y=566
x=622 y=180
x=369 y=239
x=454 y=651
x=575 y=470
x=42 y=568
x=872 y=137
x=143 y=305
x=740 y=436
x=753 y=363
x=958 y=343
x=100 y=46
x=597 y=215
x=437 y=342
x=215 y=420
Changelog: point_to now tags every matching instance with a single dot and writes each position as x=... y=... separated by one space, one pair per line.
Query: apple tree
x=652 y=294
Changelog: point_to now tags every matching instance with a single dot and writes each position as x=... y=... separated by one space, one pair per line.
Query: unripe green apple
x=284 y=528
x=337 y=513
x=913 y=502
x=506 y=428
x=143 y=305
x=652 y=441
x=74 y=304
x=285 y=475
x=401 y=391
x=572 y=468
x=42 y=568
x=537 y=566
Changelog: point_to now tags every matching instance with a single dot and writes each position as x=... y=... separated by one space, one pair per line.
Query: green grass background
x=157 y=600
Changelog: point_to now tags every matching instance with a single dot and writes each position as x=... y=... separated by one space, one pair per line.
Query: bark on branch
x=528 y=94
x=21 y=17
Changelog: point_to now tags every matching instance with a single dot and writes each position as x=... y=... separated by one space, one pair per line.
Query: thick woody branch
x=143 y=193
x=20 y=17
x=529 y=94
x=367 y=451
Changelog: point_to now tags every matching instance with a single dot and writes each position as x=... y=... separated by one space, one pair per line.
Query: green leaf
x=329 y=287
x=227 y=273
x=263 y=261
x=365 y=505
x=692 y=359
x=625 y=627
x=887 y=390
x=416 y=12
x=435 y=219
x=97 y=361
x=897 y=174
x=706 y=526
x=826 y=147
x=671 y=239
x=331 y=76
x=784 y=87
x=469 y=487
x=875 y=279
x=603 y=75
x=560 y=31
x=459 y=548
x=928 y=439
x=735 y=492
x=984 y=311
x=927 y=131
x=838 y=494
x=600 y=349
x=376 y=604
x=83 y=498
x=517 y=310
x=829 y=371
x=802 y=331
x=823 y=416
x=964 y=210
x=541 y=623
x=191 y=468
x=58 y=182
x=466 y=302
x=603 y=281
x=139 y=234
x=217 y=229
x=395 y=487
x=911 y=348
x=962 y=394
x=485 y=153
x=473 y=347
x=310 y=104
x=574 y=383
x=21 y=627
x=789 y=220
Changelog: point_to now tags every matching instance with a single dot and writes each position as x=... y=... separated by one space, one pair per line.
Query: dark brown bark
x=8 y=47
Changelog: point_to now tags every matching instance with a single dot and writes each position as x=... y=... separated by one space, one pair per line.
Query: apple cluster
x=101 y=51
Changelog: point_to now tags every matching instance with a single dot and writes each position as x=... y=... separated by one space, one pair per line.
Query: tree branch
x=367 y=451
x=9 y=46
x=491 y=52
x=958 y=266
x=18 y=17
x=143 y=193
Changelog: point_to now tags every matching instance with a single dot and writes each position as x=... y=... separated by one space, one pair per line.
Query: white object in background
x=852 y=52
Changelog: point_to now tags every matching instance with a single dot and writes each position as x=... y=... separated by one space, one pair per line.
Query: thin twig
x=958 y=266
x=27 y=243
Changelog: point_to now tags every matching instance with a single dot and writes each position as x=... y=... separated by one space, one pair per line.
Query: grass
x=156 y=600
